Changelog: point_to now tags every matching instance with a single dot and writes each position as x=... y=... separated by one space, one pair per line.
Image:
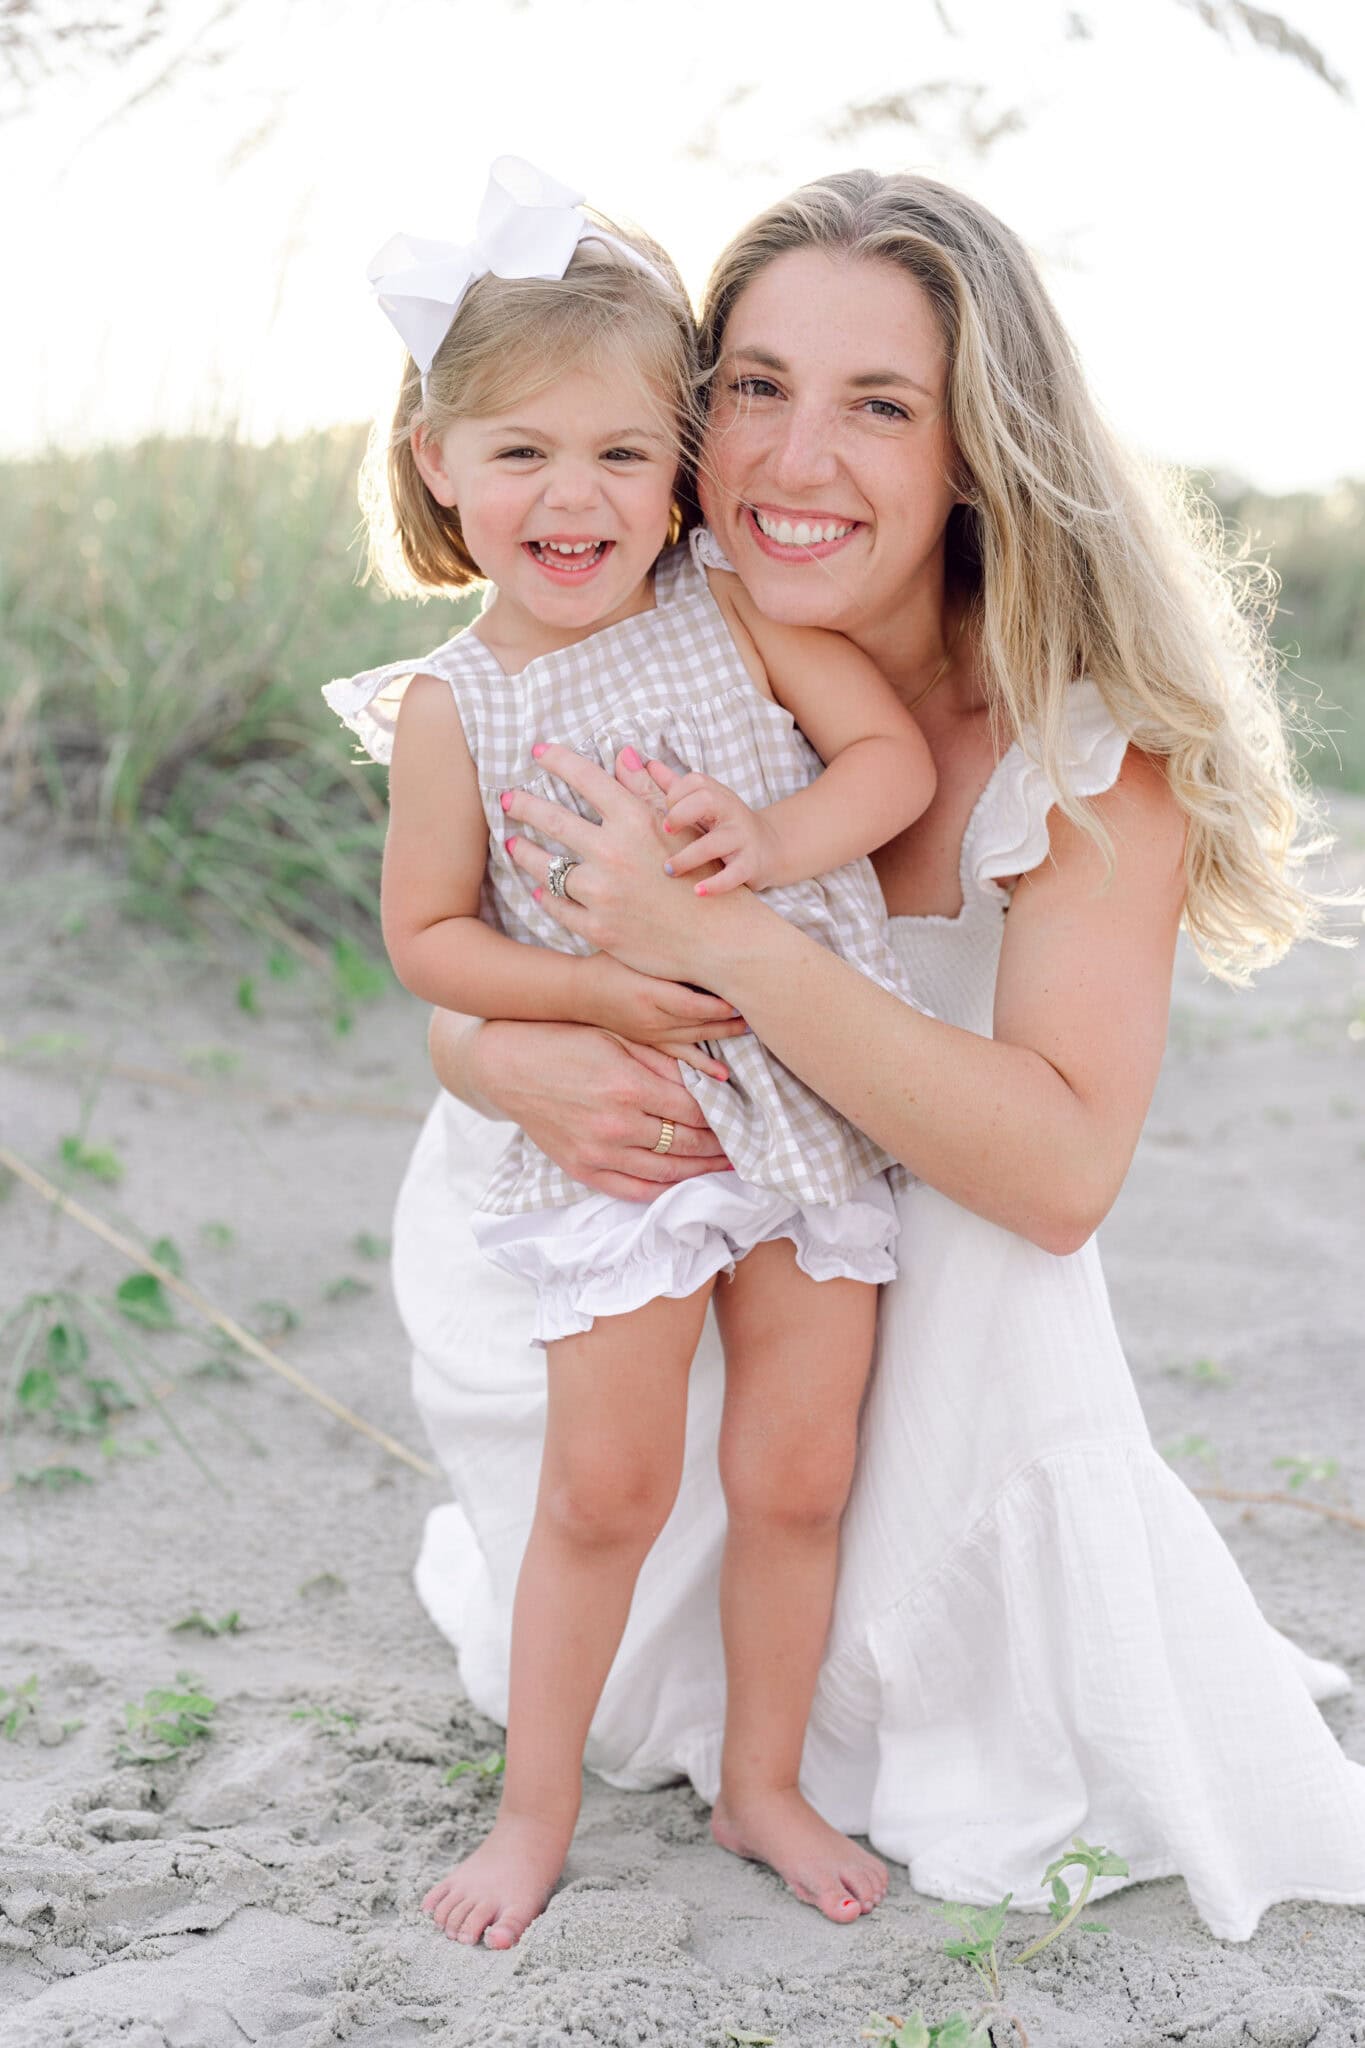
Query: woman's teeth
x=803 y=534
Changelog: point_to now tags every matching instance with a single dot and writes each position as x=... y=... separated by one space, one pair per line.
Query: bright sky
x=1195 y=206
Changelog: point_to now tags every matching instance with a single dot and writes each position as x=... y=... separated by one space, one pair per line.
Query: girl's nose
x=804 y=455
x=571 y=487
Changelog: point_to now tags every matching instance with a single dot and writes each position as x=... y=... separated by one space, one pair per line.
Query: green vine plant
x=980 y=1928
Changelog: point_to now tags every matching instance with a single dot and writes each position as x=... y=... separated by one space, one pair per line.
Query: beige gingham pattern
x=671 y=683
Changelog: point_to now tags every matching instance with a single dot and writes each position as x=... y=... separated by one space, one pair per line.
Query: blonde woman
x=1037 y=1630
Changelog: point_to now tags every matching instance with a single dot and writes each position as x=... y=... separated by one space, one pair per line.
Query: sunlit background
x=191 y=353
x=188 y=225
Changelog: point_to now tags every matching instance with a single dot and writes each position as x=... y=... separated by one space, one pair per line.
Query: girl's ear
x=431 y=465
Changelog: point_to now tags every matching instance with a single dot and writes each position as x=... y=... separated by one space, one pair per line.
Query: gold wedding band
x=665 y=1135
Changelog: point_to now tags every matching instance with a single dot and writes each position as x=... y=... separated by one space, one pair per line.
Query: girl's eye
x=518 y=454
x=887 y=409
x=624 y=455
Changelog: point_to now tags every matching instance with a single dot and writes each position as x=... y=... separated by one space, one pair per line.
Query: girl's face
x=564 y=499
x=826 y=465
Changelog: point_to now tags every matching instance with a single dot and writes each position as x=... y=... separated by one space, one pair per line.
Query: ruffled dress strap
x=707 y=551
x=1008 y=832
x=368 y=703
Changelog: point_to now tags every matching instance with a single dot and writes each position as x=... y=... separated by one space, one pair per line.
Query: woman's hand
x=594 y=1103
x=620 y=898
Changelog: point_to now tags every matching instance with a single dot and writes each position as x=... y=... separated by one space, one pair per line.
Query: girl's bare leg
x=797 y=1353
x=609 y=1473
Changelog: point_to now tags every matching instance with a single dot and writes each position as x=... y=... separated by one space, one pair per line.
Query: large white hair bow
x=529 y=226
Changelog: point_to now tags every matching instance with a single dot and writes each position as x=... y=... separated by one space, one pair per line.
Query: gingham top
x=671 y=683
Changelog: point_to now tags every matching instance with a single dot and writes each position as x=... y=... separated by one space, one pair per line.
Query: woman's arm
x=434 y=859
x=1034 y=1128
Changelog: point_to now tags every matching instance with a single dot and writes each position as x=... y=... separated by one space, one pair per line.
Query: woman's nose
x=804 y=455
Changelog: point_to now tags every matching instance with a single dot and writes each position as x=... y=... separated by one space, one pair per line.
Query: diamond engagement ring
x=557 y=874
x=665 y=1138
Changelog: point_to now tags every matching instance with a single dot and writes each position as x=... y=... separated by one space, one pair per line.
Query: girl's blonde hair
x=510 y=339
x=1077 y=559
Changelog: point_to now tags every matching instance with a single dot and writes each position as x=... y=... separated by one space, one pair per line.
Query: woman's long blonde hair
x=511 y=338
x=1077 y=560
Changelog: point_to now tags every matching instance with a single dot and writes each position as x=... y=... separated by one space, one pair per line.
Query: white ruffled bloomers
x=605 y=1257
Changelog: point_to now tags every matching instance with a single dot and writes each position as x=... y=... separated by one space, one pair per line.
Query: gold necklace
x=942 y=668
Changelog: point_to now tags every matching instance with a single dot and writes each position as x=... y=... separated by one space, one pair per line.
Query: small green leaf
x=246 y=997
x=346 y=1288
x=369 y=1246
x=358 y=977
x=66 y=1347
x=101 y=1162
x=142 y=1299
x=1093 y=1927
x=37 y=1390
x=217 y=1235
x=275 y=1318
x=282 y=965
x=166 y=1254
x=55 y=1478
x=199 y=1623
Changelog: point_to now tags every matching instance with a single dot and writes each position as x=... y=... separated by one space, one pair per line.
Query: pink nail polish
x=538 y=750
x=510 y=843
x=506 y=799
x=537 y=894
x=631 y=758
x=701 y=888
x=667 y=826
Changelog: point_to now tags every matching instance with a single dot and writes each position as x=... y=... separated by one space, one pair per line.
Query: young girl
x=537 y=447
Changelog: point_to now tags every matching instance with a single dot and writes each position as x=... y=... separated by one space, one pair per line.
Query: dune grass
x=169 y=610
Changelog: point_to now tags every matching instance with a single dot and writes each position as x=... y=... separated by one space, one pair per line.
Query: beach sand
x=264 y=1887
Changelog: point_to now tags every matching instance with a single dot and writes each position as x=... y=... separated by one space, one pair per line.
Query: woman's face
x=827 y=455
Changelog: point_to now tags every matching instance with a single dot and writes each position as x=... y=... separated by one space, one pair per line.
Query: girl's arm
x=879 y=775
x=1033 y=1128
x=434 y=859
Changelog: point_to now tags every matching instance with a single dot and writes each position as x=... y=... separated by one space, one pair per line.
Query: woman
x=1038 y=1632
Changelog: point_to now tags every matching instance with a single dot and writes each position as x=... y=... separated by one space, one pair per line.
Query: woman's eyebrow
x=864 y=381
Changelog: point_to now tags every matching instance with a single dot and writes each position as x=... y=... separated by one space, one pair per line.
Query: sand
x=264 y=1887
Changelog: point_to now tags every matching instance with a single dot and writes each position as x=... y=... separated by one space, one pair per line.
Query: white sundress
x=672 y=682
x=1037 y=1630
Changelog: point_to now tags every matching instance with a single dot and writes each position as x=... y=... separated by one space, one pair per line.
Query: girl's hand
x=665 y=1014
x=741 y=840
x=594 y=1103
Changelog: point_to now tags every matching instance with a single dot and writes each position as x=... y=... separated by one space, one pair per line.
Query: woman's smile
x=785 y=534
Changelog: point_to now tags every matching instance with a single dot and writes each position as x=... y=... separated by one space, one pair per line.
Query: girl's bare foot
x=495 y=1894
x=822 y=1867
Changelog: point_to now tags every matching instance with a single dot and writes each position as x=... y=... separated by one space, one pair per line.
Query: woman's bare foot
x=495 y=1894
x=820 y=1865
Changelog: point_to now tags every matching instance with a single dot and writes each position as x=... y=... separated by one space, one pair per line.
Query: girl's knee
x=795 y=1486
x=608 y=1505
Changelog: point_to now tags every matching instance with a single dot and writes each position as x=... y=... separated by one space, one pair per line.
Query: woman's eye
x=887 y=409
x=754 y=387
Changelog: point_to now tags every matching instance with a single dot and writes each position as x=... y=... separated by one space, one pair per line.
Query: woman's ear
x=431 y=465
